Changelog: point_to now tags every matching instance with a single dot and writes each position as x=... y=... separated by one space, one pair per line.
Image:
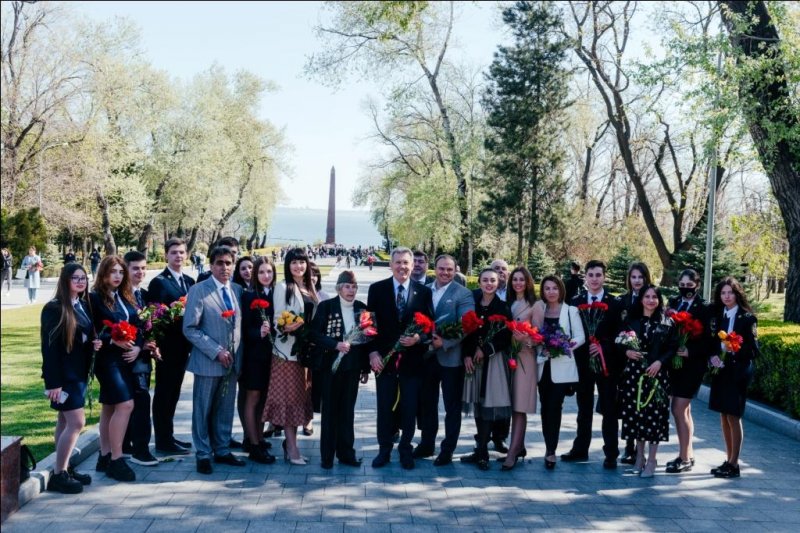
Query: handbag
x=22 y=273
x=27 y=463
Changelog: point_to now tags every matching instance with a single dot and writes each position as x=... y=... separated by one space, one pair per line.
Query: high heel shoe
x=506 y=468
x=548 y=464
x=302 y=460
x=649 y=470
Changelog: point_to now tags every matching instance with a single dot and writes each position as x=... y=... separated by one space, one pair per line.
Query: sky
x=272 y=39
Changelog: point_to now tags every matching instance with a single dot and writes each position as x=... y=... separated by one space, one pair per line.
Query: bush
x=777 y=377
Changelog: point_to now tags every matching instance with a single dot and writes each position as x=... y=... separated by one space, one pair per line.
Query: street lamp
x=41 y=175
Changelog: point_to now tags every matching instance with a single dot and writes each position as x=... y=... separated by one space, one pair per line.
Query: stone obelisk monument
x=330 y=231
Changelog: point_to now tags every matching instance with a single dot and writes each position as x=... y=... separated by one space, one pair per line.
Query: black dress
x=257 y=349
x=729 y=386
x=658 y=343
x=113 y=372
x=685 y=381
x=60 y=368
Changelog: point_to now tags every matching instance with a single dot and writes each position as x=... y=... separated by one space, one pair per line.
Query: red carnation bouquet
x=360 y=334
x=121 y=332
x=688 y=328
x=261 y=305
x=471 y=322
x=524 y=328
x=420 y=324
x=592 y=315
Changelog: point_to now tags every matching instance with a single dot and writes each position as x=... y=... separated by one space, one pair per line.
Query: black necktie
x=594 y=299
x=138 y=295
x=180 y=283
x=401 y=301
x=683 y=306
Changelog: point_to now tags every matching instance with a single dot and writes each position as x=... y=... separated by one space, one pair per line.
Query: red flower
x=228 y=314
x=471 y=322
x=496 y=318
x=584 y=307
x=108 y=323
x=370 y=331
x=512 y=364
x=259 y=303
x=123 y=331
x=600 y=306
x=423 y=322
x=365 y=320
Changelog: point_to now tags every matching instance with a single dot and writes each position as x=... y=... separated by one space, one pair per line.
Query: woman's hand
x=131 y=355
x=683 y=352
x=376 y=362
x=468 y=365
x=633 y=355
x=265 y=329
x=521 y=337
x=97 y=344
x=343 y=347
x=126 y=346
x=53 y=394
x=150 y=346
x=294 y=326
x=653 y=369
x=478 y=356
x=409 y=341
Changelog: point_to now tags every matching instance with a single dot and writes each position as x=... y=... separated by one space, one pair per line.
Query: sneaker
x=102 y=462
x=728 y=471
x=144 y=458
x=83 y=479
x=63 y=483
x=721 y=467
x=118 y=469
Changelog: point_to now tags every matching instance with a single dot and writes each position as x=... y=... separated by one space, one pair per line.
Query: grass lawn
x=24 y=411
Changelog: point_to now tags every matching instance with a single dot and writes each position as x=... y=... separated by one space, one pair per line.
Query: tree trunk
x=108 y=239
x=143 y=245
x=768 y=106
x=520 y=237
x=192 y=240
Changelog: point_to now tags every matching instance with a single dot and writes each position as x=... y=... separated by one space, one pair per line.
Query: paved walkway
x=172 y=497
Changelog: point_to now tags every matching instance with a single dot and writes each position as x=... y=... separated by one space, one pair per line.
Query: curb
x=88 y=443
x=763 y=416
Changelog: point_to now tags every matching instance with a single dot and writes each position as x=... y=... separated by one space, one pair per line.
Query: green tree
x=540 y=263
x=693 y=255
x=618 y=269
x=24 y=229
x=525 y=100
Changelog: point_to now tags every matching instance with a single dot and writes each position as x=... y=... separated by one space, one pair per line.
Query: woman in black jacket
x=333 y=320
x=257 y=356
x=484 y=357
x=112 y=301
x=732 y=370
x=645 y=388
x=67 y=345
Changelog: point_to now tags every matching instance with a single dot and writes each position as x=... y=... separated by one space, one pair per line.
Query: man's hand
x=409 y=341
x=124 y=345
x=225 y=358
x=437 y=341
x=265 y=329
x=343 y=347
x=97 y=344
x=375 y=362
x=468 y=365
x=594 y=349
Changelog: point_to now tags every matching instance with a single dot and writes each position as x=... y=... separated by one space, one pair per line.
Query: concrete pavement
x=173 y=497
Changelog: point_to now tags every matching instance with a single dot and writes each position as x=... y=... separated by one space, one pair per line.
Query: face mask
x=687 y=293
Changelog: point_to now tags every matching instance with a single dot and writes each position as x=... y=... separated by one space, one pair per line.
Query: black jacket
x=255 y=346
x=58 y=365
x=327 y=330
x=381 y=301
x=746 y=325
x=500 y=342
x=164 y=289
x=99 y=313
x=659 y=342
x=701 y=347
x=605 y=334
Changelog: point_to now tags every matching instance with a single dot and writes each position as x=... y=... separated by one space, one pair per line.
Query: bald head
x=501 y=267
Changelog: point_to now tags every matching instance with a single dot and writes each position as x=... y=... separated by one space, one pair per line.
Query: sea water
x=307 y=226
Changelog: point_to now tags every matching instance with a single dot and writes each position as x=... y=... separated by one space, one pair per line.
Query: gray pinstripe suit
x=209 y=333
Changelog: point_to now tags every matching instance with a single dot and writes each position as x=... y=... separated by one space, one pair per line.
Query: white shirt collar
x=731 y=313
x=599 y=296
x=176 y=275
x=405 y=285
x=220 y=285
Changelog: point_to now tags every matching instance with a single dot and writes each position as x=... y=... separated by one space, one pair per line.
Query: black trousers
x=606 y=406
x=169 y=378
x=452 y=383
x=338 y=393
x=386 y=389
x=138 y=432
x=551 y=398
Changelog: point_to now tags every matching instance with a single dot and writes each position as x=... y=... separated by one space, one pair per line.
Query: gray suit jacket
x=208 y=332
x=455 y=301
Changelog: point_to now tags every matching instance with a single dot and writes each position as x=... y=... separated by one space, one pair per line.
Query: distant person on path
x=8 y=270
x=67 y=345
x=215 y=361
x=69 y=257
x=370 y=261
x=32 y=263
x=169 y=286
x=94 y=260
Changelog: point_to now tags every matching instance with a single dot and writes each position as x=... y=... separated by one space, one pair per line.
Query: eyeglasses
x=79 y=279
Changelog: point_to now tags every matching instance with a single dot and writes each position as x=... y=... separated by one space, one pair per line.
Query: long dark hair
x=104 y=289
x=255 y=283
x=68 y=323
x=529 y=293
x=641 y=267
x=637 y=310
x=297 y=254
x=738 y=291
x=237 y=277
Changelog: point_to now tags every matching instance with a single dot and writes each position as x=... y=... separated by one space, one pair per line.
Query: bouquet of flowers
x=420 y=324
x=497 y=323
x=471 y=322
x=526 y=329
x=592 y=315
x=731 y=344
x=121 y=332
x=360 y=334
x=629 y=340
x=688 y=328
x=450 y=330
x=556 y=342
x=288 y=318
x=261 y=305
x=177 y=308
x=154 y=317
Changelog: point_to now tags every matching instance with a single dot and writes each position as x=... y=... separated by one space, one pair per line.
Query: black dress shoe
x=118 y=469
x=261 y=456
x=204 y=466
x=470 y=459
x=629 y=459
x=229 y=459
x=235 y=444
x=421 y=453
x=609 y=463
x=407 y=462
x=548 y=464
x=327 y=464
x=172 y=449
x=382 y=459
x=182 y=443
x=64 y=483
x=483 y=464
x=572 y=456
x=499 y=446
x=443 y=459
x=83 y=479
x=350 y=462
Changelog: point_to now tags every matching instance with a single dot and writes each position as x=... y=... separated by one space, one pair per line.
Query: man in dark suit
x=444 y=365
x=606 y=385
x=574 y=283
x=166 y=288
x=419 y=272
x=394 y=302
x=230 y=242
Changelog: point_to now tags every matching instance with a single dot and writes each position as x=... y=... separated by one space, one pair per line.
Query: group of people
x=288 y=348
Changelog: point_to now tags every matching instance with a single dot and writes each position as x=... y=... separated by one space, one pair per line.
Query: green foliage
x=24 y=229
x=777 y=376
x=724 y=263
x=540 y=263
x=618 y=269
